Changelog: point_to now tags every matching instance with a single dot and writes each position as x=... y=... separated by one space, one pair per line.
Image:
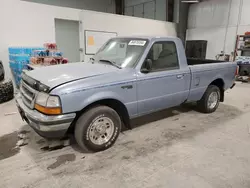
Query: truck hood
x=55 y=75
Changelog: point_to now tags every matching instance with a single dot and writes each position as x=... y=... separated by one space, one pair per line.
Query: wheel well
x=220 y=84
x=118 y=106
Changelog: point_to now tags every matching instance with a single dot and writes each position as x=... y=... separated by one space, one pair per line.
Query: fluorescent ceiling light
x=191 y=1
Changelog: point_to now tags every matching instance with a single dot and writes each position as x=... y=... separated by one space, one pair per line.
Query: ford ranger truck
x=128 y=77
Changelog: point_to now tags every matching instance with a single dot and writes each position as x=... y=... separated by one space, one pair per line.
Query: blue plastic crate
x=23 y=50
x=16 y=50
x=12 y=65
x=19 y=58
x=18 y=67
x=23 y=58
x=17 y=76
x=11 y=57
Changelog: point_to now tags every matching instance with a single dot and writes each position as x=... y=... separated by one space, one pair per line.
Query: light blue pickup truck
x=128 y=77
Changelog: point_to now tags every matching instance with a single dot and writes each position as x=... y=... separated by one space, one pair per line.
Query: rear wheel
x=210 y=100
x=97 y=129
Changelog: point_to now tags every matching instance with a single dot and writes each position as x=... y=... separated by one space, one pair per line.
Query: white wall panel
x=234 y=13
x=209 y=13
x=218 y=21
x=214 y=13
x=245 y=18
x=124 y=26
x=220 y=10
x=230 y=39
x=214 y=36
x=31 y=24
x=192 y=15
x=204 y=14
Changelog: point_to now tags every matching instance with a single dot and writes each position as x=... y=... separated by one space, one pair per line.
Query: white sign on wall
x=95 y=39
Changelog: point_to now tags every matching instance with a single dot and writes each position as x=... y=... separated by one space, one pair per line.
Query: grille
x=28 y=95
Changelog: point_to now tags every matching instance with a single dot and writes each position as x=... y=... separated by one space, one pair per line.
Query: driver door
x=166 y=84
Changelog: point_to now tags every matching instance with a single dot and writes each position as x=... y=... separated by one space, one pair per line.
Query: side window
x=164 y=56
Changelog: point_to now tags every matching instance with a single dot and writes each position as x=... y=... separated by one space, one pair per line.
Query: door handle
x=127 y=87
x=180 y=76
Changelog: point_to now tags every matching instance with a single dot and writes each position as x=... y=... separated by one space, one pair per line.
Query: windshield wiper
x=111 y=62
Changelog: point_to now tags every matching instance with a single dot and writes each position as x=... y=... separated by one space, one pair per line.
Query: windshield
x=124 y=52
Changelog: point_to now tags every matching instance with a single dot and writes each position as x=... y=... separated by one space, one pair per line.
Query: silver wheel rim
x=213 y=100
x=101 y=130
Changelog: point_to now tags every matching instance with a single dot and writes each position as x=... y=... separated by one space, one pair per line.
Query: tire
x=203 y=104
x=6 y=91
x=1 y=72
x=86 y=133
x=2 y=77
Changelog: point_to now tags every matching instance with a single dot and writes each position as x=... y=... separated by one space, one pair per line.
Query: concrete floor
x=174 y=148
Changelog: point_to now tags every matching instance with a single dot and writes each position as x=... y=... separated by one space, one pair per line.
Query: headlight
x=53 y=101
x=42 y=98
x=47 y=104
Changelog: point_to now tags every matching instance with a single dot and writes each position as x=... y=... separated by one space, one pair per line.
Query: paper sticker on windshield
x=137 y=42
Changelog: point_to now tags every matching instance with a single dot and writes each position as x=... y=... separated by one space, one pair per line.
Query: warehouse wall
x=181 y=18
x=218 y=21
x=29 y=24
x=97 y=5
x=152 y=9
x=124 y=26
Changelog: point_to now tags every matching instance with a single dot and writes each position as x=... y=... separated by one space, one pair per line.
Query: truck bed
x=195 y=61
x=202 y=74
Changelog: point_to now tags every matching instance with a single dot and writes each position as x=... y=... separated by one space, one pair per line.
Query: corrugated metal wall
x=152 y=9
x=96 y=5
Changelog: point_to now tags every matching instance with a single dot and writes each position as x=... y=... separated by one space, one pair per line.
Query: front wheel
x=97 y=129
x=210 y=100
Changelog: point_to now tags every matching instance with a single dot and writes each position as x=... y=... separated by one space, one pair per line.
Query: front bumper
x=46 y=126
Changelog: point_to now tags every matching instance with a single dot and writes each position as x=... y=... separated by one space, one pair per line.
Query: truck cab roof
x=149 y=37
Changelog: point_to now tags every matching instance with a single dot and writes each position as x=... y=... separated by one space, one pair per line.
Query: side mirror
x=147 y=66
